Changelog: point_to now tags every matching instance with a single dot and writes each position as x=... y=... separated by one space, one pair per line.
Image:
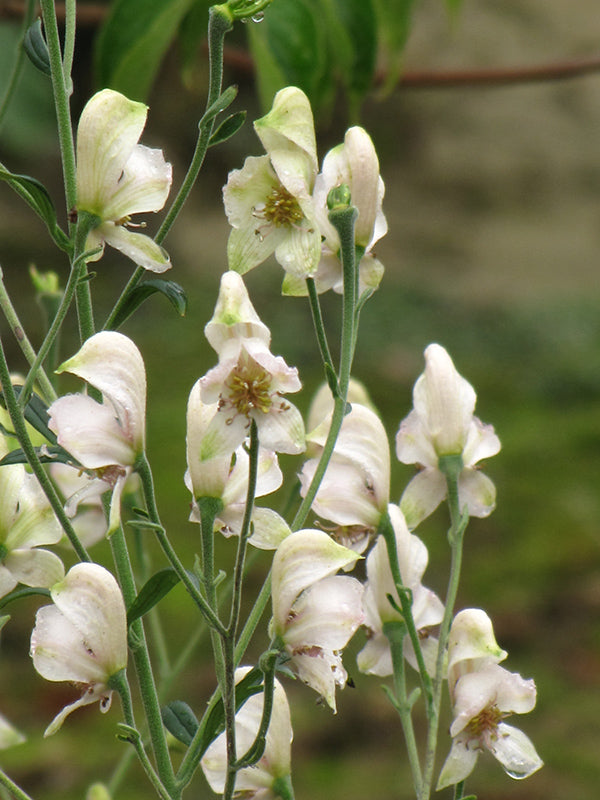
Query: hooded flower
x=442 y=424
x=427 y=609
x=315 y=611
x=249 y=381
x=269 y=201
x=354 y=492
x=116 y=177
x=104 y=437
x=82 y=638
x=215 y=472
x=483 y=694
x=26 y=521
x=259 y=781
x=355 y=165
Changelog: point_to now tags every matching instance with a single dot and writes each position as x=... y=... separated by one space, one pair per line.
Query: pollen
x=282 y=208
x=249 y=389
x=486 y=722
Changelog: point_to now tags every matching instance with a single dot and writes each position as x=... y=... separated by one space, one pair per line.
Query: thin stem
x=143 y=469
x=395 y=632
x=46 y=388
x=219 y=24
x=120 y=683
x=15 y=791
x=18 y=422
x=61 y=102
x=142 y=664
x=268 y=664
x=321 y=334
x=456 y=537
x=69 y=44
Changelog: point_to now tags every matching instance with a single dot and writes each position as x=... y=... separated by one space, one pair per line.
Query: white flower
x=427 y=609
x=87 y=517
x=269 y=201
x=82 y=638
x=249 y=381
x=315 y=612
x=105 y=437
x=482 y=695
x=442 y=424
x=116 y=177
x=354 y=164
x=354 y=492
x=26 y=521
x=260 y=780
x=215 y=472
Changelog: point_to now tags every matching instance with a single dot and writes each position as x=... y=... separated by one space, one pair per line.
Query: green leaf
x=133 y=41
x=223 y=101
x=394 y=22
x=37 y=197
x=179 y=719
x=174 y=293
x=356 y=26
x=35 y=413
x=289 y=48
x=47 y=455
x=228 y=128
x=250 y=684
x=36 y=48
x=151 y=593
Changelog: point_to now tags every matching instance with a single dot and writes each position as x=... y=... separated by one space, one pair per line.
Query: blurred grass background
x=492 y=198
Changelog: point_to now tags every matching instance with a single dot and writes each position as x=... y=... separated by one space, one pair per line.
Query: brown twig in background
x=91 y=15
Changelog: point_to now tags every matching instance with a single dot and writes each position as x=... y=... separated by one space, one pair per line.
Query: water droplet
x=258 y=17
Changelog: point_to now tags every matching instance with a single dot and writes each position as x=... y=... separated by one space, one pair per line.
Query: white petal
x=141 y=249
x=303 y=558
x=90 y=431
x=9 y=735
x=269 y=529
x=471 y=640
x=112 y=363
x=322 y=670
x=481 y=443
x=143 y=186
x=299 y=252
x=35 y=567
x=109 y=128
x=458 y=766
x=345 y=495
x=477 y=492
x=7 y=581
x=12 y=478
x=375 y=658
x=234 y=316
x=515 y=751
x=413 y=444
x=90 y=598
x=422 y=496
x=365 y=183
x=91 y=695
x=281 y=429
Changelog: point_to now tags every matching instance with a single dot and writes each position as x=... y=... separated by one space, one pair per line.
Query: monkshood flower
x=87 y=517
x=260 y=781
x=315 y=611
x=9 y=735
x=117 y=177
x=82 y=637
x=269 y=201
x=427 y=609
x=104 y=437
x=483 y=694
x=355 y=165
x=26 y=522
x=354 y=492
x=249 y=382
x=215 y=472
x=442 y=424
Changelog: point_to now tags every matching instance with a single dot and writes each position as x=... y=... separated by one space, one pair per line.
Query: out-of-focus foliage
x=318 y=45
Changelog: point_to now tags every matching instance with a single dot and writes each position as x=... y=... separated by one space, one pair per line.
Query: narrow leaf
x=174 y=293
x=35 y=413
x=47 y=455
x=223 y=101
x=151 y=593
x=228 y=128
x=36 y=48
x=250 y=684
x=179 y=719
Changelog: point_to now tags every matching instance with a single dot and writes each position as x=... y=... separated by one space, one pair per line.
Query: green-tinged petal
x=422 y=496
x=302 y=559
x=9 y=735
x=140 y=248
x=143 y=186
x=234 y=316
x=35 y=567
x=109 y=128
x=281 y=430
x=458 y=766
x=515 y=751
x=269 y=529
x=477 y=492
x=300 y=251
x=251 y=245
x=7 y=581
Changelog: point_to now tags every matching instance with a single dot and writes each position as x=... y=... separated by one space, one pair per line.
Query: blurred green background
x=492 y=199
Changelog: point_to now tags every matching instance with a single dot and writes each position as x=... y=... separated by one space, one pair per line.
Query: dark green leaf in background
x=152 y=592
x=174 y=293
x=36 y=48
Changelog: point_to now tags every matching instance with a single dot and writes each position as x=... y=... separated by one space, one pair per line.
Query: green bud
x=339 y=197
x=97 y=791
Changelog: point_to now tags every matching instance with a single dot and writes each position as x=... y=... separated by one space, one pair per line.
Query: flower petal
x=515 y=751
x=422 y=496
x=141 y=249
x=35 y=567
x=458 y=766
x=143 y=185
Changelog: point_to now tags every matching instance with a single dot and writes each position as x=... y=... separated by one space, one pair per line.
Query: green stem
x=143 y=666
x=395 y=631
x=11 y=786
x=456 y=537
x=19 y=61
x=268 y=664
x=69 y=44
x=46 y=388
x=84 y=225
x=119 y=683
x=20 y=428
x=61 y=102
x=142 y=467
x=219 y=24
x=321 y=334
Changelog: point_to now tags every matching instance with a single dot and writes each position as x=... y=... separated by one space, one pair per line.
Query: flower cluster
x=277 y=203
